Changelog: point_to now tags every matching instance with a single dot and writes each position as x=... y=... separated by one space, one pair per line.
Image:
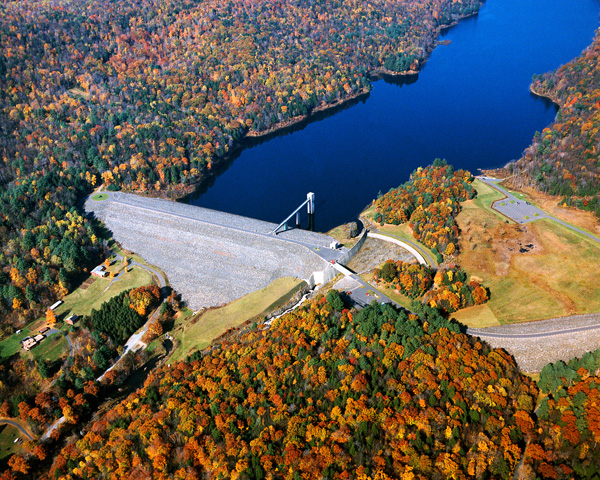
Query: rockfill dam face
x=210 y=257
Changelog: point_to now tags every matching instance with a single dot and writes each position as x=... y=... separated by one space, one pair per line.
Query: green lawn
x=8 y=434
x=215 y=322
x=487 y=195
x=557 y=278
x=81 y=302
x=403 y=232
x=99 y=197
x=51 y=348
x=12 y=344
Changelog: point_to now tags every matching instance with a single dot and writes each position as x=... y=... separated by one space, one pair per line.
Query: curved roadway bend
x=410 y=246
x=15 y=423
x=54 y=331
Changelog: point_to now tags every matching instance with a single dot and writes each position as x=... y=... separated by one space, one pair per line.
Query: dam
x=212 y=257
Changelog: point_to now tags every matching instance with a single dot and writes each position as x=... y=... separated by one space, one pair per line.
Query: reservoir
x=470 y=105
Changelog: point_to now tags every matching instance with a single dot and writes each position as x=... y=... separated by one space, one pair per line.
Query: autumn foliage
x=447 y=289
x=453 y=291
x=322 y=393
x=429 y=202
x=569 y=420
x=563 y=158
x=410 y=279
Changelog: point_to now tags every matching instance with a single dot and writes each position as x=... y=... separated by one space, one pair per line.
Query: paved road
x=483 y=333
x=523 y=212
x=17 y=423
x=360 y=291
x=411 y=247
x=136 y=338
x=54 y=331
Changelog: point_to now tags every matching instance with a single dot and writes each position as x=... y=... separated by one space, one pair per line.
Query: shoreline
x=501 y=171
x=372 y=75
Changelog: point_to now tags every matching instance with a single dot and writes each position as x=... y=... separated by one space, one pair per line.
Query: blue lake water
x=470 y=105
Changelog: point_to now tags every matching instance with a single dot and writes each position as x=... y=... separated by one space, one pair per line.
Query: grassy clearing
x=115 y=247
x=81 y=302
x=99 y=197
x=51 y=348
x=12 y=344
x=8 y=435
x=403 y=232
x=78 y=92
x=478 y=316
x=486 y=195
x=557 y=277
x=215 y=322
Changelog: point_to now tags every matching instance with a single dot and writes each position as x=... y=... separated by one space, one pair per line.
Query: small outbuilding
x=55 y=305
x=100 y=271
x=71 y=319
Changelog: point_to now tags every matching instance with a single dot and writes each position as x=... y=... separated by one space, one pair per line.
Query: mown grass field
x=556 y=277
x=8 y=435
x=12 y=344
x=98 y=197
x=51 y=348
x=82 y=301
x=201 y=331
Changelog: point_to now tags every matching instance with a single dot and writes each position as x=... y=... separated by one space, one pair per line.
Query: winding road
x=134 y=341
x=19 y=425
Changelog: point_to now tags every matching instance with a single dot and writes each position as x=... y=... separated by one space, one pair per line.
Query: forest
x=569 y=417
x=563 y=159
x=147 y=96
x=325 y=392
x=40 y=394
x=328 y=392
x=449 y=288
x=429 y=201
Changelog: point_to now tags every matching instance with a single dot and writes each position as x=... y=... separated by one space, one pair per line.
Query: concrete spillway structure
x=211 y=257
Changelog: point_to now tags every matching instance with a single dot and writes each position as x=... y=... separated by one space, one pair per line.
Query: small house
x=29 y=343
x=100 y=271
x=71 y=319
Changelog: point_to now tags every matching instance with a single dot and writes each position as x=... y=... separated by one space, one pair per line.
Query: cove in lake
x=470 y=105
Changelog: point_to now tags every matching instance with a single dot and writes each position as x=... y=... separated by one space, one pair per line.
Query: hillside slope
x=563 y=159
x=322 y=393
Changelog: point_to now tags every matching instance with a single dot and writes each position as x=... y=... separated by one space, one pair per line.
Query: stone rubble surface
x=210 y=257
x=532 y=354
